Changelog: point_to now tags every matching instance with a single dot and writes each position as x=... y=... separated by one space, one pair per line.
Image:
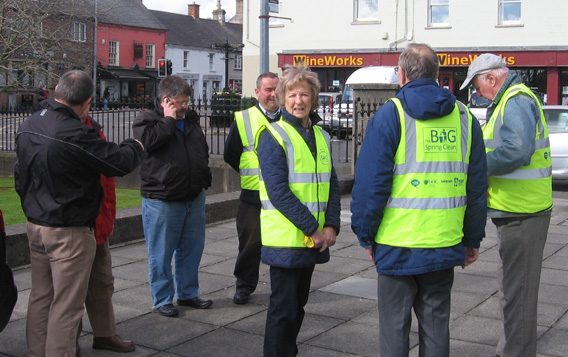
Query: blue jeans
x=174 y=228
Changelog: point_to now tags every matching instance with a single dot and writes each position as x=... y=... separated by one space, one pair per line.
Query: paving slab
x=341 y=314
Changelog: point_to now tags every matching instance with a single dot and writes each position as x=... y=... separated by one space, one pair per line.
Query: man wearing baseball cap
x=519 y=195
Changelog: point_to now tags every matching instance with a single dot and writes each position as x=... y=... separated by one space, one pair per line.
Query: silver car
x=557 y=121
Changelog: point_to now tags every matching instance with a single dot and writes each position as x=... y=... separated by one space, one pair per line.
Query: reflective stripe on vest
x=529 y=188
x=428 y=198
x=248 y=123
x=308 y=179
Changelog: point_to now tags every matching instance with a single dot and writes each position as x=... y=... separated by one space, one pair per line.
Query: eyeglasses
x=396 y=69
x=183 y=104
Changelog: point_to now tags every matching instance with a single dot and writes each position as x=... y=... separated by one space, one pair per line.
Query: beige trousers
x=61 y=261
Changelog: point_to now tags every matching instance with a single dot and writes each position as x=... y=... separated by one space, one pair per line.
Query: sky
x=180 y=6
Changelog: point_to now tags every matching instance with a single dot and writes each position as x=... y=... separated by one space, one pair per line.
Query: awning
x=122 y=74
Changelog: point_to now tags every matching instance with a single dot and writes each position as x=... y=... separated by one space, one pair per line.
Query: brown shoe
x=114 y=343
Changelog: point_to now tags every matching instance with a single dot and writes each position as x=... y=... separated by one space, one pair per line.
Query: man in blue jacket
x=419 y=203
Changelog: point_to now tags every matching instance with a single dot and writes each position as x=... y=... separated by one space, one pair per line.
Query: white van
x=342 y=120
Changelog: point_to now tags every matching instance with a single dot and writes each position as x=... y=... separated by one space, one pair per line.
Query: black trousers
x=290 y=291
x=248 y=260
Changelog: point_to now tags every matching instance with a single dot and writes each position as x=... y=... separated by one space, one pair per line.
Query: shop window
x=509 y=12
x=438 y=13
x=365 y=10
x=535 y=79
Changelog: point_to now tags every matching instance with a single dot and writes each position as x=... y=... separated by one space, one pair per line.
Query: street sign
x=273 y=6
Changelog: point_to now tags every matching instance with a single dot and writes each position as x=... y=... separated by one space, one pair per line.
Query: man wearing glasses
x=174 y=176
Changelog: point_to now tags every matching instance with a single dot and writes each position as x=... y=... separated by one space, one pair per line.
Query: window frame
x=80 y=34
x=186 y=56
x=501 y=14
x=113 y=55
x=359 y=19
x=431 y=6
x=238 y=65
x=150 y=55
x=211 y=62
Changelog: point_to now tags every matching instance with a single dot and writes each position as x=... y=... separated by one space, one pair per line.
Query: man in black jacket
x=175 y=174
x=57 y=175
x=239 y=153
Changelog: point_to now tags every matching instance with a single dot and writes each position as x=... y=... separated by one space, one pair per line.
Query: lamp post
x=227 y=48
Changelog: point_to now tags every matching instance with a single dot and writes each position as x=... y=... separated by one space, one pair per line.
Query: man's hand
x=170 y=109
x=471 y=255
x=369 y=252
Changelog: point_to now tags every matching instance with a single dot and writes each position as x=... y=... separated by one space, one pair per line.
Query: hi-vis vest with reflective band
x=308 y=179
x=248 y=122
x=529 y=188
x=428 y=200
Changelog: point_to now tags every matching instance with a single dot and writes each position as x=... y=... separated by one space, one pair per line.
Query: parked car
x=478 y=107
x=557 y=121
x=480 y=114
x=343 y=111
x=327 y=101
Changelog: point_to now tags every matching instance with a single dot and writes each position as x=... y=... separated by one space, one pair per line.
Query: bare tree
x=41 y=39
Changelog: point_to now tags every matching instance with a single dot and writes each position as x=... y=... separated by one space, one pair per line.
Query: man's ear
x=491 y=79
x=86 y=103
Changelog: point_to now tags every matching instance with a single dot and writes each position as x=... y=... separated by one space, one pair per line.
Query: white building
x=190 y=42
x=335 y=37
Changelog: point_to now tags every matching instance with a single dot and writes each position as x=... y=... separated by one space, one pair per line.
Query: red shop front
x=545 y=72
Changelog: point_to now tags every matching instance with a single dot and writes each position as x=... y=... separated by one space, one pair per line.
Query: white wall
x=198 y=67
x=327 y=26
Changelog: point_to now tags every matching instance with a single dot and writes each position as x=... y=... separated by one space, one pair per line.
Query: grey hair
x=498 y=72
x=419 y=61
x=74 y=87
x=173 y=87
x=292 y=75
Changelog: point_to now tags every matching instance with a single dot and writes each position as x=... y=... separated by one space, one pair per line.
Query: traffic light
x=169 y=65
x=162 y=68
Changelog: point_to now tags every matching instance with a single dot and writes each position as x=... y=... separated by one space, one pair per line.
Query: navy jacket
x=272 y=160
x=423 y=99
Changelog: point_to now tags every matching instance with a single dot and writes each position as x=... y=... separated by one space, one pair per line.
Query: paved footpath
x=341 y=315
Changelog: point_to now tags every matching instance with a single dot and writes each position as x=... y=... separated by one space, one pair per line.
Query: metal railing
x=216 y=116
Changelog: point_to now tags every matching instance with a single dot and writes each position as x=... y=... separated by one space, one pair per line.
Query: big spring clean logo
x=440 y=140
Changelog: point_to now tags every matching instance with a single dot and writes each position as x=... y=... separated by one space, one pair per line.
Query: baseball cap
x=482 y=64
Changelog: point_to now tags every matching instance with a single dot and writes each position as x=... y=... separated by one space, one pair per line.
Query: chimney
x=193 y=10
x=238 y=18
x=219 y=14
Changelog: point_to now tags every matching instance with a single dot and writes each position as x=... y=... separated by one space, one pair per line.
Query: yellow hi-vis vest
x=248 y=122
x=427 y=204
x=308 y=179
x=528 y=189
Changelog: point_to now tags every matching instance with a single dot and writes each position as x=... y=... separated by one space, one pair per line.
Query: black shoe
x=168 y=310
x=196 y=303
x=241 y=298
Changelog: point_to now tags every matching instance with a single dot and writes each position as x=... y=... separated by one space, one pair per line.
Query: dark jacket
x=60 y=160
x=274 y=167
x=175 y=163
x=232 y=156
x=423 y=99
